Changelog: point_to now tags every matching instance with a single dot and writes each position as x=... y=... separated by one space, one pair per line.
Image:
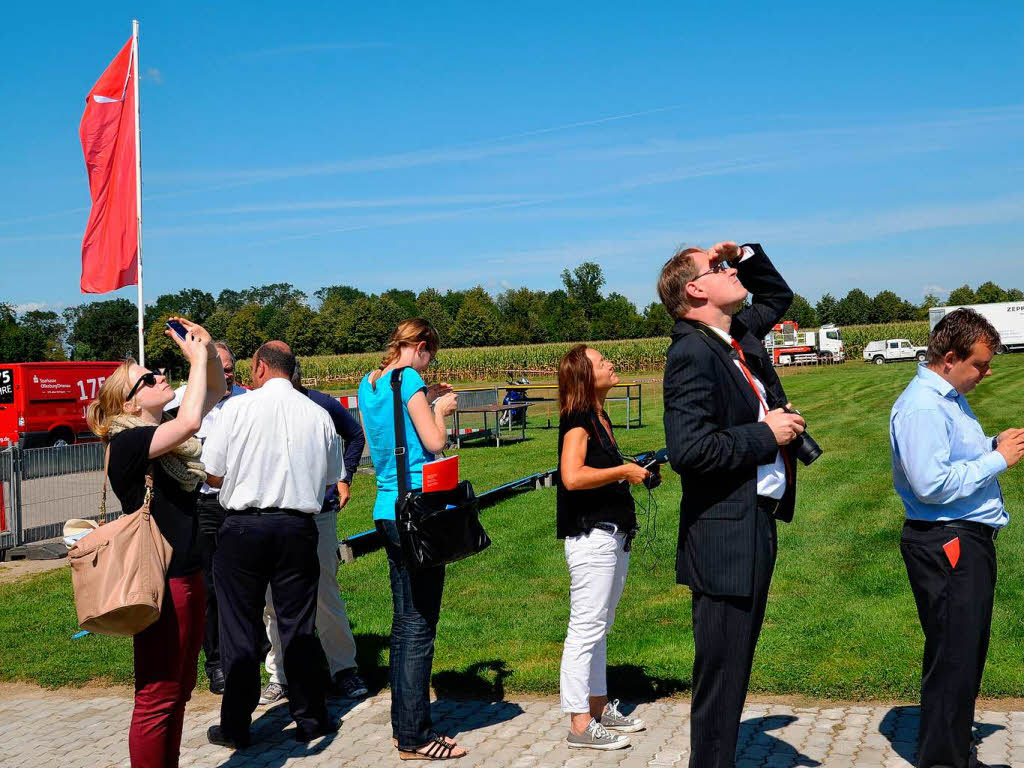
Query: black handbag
x=436 y=527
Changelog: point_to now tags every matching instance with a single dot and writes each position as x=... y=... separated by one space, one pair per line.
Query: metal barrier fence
x=45 y=487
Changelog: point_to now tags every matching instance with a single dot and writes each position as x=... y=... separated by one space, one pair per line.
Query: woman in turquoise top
x=416 y=598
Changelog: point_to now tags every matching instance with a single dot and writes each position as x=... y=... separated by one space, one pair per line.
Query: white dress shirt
x=771 y=478
x=208 y=420
x=274 y=448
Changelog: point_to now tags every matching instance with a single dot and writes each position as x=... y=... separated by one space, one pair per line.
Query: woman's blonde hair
x=411 y=333
x=110 y=402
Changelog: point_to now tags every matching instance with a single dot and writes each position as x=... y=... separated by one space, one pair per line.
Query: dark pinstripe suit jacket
x=714 y=439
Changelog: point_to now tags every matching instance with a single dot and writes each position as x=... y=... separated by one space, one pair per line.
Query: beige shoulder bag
x=119 y=571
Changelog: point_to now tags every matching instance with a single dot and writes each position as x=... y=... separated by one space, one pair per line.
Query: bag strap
x=103 y=493
x=401 y=452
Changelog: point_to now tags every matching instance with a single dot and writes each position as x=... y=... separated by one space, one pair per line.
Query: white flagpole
x=138 y=184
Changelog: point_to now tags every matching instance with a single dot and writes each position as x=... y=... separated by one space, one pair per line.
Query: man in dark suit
x=726 y=431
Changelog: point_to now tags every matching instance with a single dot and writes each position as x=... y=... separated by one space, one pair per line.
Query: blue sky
x=875 y=145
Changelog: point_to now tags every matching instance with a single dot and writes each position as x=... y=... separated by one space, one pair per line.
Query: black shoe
x=349 y=684
x=216 y=736
x=216 y=676
x=307 y=736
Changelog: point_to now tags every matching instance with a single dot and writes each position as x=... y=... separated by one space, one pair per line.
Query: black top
x=173 y=508
x=578 y=511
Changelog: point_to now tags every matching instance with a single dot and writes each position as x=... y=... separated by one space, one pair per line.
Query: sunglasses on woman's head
x=148 y=379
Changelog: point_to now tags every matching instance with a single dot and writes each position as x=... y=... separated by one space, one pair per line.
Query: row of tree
x=857 y=308
x=341 y=318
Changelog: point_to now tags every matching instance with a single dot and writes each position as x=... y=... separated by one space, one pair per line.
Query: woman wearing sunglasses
x=128 y=416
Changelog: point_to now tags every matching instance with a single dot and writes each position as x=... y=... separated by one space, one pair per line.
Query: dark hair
x=276 y=359
x=958 y=332
x=677 y=272
x=576 y=382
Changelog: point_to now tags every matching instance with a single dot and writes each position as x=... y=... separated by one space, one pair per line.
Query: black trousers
x=254 y=551
x=954 y=604
x=725 y=632
x=211 y=516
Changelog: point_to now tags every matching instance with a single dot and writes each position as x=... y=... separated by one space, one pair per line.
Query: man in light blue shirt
x=945 y=470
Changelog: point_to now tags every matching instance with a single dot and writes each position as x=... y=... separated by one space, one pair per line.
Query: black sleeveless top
x=578 y=511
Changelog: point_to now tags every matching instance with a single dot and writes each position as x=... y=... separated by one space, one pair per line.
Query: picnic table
x=486 y=410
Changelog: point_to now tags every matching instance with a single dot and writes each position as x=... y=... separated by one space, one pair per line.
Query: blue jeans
x=416 y=599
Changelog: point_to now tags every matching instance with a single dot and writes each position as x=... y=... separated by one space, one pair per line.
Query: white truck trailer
x=1006 y=316
x=788 y=345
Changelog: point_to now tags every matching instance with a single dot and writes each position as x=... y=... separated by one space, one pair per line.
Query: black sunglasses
x=714 y=269
x=148 y=378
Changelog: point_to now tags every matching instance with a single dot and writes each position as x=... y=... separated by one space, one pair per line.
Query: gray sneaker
x=596 y=737
x=613 y=720
x=273 y=693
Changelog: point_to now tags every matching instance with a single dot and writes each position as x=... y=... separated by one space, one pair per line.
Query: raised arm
x=198 y=349
x=771 y=295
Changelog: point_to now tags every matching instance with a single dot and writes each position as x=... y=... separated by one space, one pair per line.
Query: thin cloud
x=387 y=202
x=153 y=75
x=290 y=50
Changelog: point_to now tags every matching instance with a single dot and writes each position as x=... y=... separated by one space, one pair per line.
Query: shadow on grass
x=634 y=683
x=900 y=727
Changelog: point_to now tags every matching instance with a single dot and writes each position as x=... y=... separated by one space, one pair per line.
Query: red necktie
x=757 y=393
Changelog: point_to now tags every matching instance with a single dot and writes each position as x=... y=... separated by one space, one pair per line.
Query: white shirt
x=208 y=420
x=274 y=448
x=771 y=478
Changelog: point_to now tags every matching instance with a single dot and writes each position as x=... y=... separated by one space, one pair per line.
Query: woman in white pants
x=597 y=518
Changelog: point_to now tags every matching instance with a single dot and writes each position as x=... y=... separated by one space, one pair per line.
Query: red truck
x=44 y=403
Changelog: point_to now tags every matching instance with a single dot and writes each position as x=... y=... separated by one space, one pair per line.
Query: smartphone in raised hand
x=177 y=329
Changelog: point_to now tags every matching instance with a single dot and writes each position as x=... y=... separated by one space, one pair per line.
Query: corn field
x=484 y=363
x=856 y=337
x=491 y=363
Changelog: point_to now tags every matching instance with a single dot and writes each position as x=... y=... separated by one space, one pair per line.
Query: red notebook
x=441 y=475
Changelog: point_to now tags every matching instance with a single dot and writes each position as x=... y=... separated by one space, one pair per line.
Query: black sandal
x=436 y=749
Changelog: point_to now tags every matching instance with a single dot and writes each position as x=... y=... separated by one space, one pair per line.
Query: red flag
x=111 y=241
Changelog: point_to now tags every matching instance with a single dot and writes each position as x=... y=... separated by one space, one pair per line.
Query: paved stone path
x=89 y=729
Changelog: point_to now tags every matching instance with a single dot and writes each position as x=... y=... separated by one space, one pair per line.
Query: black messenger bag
x=437 y=527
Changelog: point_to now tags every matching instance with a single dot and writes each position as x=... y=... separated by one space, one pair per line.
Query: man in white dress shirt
x=272 y=453
x=211 y=515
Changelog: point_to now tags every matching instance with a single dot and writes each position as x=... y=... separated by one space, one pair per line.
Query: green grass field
x=841 y=620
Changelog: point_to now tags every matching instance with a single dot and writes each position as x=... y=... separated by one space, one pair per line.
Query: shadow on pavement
x=753 y=734
x=900 y=726
x=484 y=684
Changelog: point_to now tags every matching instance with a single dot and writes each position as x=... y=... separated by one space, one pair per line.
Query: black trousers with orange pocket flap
x=952 y=573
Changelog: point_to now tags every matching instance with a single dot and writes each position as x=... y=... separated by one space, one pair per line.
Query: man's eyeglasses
x=148 y=379
x=714 y=269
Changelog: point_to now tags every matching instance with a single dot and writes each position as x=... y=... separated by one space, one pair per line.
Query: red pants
x=166 y=655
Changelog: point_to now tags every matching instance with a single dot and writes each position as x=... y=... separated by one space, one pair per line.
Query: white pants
x=331 y=618
x=597 y=574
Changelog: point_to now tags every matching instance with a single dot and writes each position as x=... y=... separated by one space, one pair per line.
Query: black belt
x=262 y=511
x=612 y=528
x=987 y=531
x=768 y=504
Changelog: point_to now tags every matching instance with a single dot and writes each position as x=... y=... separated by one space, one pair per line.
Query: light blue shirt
x=943 y=465
x=376 y=405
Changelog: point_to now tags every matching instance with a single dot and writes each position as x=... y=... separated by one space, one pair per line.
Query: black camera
x=805 y=447
x=652 y=461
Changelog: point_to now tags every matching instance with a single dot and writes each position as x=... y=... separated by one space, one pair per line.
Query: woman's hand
x=446 y=404
x=634 y=473
x=197 y=343
x=436 y=390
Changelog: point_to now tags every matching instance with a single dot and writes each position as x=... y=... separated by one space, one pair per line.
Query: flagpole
x=138 y=185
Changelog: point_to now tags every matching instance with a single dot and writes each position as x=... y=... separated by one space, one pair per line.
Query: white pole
x=138 y=183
